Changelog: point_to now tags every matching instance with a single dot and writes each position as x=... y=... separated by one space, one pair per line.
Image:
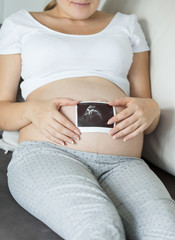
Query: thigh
x=144 y=204
x=63 y=193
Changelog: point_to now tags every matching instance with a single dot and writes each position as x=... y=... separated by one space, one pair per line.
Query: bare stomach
x=84 y=89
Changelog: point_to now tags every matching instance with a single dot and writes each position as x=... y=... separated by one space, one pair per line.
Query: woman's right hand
x=50 y=122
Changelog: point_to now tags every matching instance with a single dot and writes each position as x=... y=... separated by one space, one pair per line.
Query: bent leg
x=62 y=193
x=144 y=204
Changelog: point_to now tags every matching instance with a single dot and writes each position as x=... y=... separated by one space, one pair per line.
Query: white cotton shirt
x=48 y=55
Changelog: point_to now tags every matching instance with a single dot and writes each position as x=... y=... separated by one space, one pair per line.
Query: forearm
x=155 y=122
x=14 y=116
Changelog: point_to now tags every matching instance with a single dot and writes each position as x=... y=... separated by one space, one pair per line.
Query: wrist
x=157 y=108
x=30 y=106
x=155 y=122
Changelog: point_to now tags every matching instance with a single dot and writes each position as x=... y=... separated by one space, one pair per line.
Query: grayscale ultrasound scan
x=93 y=116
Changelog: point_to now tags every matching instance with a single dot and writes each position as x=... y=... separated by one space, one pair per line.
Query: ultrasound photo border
x=93 y=129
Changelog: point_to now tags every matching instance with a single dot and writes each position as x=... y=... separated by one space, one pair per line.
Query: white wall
x=8 y=7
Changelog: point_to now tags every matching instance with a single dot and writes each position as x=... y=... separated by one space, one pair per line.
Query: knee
x=159 y=225
x=100 y=225
x=101 y=231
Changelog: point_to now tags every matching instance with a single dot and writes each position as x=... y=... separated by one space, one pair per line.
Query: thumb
x=124 y=101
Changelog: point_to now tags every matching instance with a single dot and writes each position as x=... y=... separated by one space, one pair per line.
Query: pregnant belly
x=84 y=89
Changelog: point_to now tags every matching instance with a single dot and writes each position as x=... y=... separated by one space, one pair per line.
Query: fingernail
x=109 y=122
x=114 y=137
x=75 y=137
x=76 y=132
x=124 y=140
x=62 y=143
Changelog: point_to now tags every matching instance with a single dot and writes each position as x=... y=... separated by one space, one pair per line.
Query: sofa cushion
x=157 y=19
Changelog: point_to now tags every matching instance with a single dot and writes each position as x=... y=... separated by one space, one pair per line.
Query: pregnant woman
x=83 y=185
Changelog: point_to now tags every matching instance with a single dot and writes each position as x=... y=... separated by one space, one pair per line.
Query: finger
x=124 y=101
x=59 y=135
x=65 y=122
x=123 y=124
x=65 y=101
x=121 y=115
x=127 y=130
x=52 y=138
x=63 y=132
x=139 y=130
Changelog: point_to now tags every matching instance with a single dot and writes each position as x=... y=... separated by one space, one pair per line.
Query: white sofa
x=157 y=19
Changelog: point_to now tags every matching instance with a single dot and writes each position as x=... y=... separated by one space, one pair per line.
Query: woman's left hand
x=135 y=118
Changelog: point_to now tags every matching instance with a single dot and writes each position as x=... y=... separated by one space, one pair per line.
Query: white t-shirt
x=49 y=55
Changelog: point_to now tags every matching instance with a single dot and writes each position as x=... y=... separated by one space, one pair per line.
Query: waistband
x=44 y=144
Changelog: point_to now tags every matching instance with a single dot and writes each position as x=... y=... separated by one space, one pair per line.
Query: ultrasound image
x=93 y=114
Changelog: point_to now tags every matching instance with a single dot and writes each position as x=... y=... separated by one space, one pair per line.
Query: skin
x=141 y=113
x=66 y=9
